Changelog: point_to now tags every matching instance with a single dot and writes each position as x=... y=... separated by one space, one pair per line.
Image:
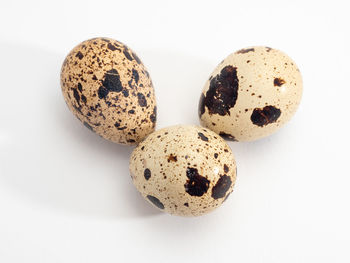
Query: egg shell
x=251 y=94
x=109 y=90
x=184 y=170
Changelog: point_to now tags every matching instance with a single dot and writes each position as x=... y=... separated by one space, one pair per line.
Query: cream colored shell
x=109 y=90
x=184 y=170
x=251 y=94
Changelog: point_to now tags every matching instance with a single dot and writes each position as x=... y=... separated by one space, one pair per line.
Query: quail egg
x=107 y=87
x=184 y=170
x=251 y=94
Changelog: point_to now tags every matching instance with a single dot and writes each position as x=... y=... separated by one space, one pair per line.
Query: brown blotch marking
x=130 y=84
x=196 y=185
x=142 y=100
x=155 y=201
x=76 y=96
x=216 y=155
x=147 y=173
x=245 y=50
x=221 y=187
x=83 y=98
x=79 y=55
x=111 y=83
x=172 y=158
x=153 y=116
x=278 y=82
x=265 y=116
x=127 y=55
x=125 y=93
x=222 y=93
x=226 y=168
x=228 y=137
x=268 y=49
x=112 y=47
x=135 y=75
x=80 y=87
x=202 y=137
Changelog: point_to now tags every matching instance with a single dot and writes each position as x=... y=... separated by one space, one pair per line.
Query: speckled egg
x=109 y=90
x=184 y=170
x=251 y=94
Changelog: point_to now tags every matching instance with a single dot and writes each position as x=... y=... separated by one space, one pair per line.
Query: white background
x=66 y=194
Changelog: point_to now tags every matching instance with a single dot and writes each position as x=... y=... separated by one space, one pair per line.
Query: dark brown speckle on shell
x=154 y=200
x=221 y=187
x=222 y=93
x=268 y=114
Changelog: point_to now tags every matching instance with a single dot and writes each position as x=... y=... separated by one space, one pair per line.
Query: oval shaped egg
x=251 y=94
x=184 y=170
x=109 y=90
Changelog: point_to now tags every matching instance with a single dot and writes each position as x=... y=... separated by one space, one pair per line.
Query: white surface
x=66 y=194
